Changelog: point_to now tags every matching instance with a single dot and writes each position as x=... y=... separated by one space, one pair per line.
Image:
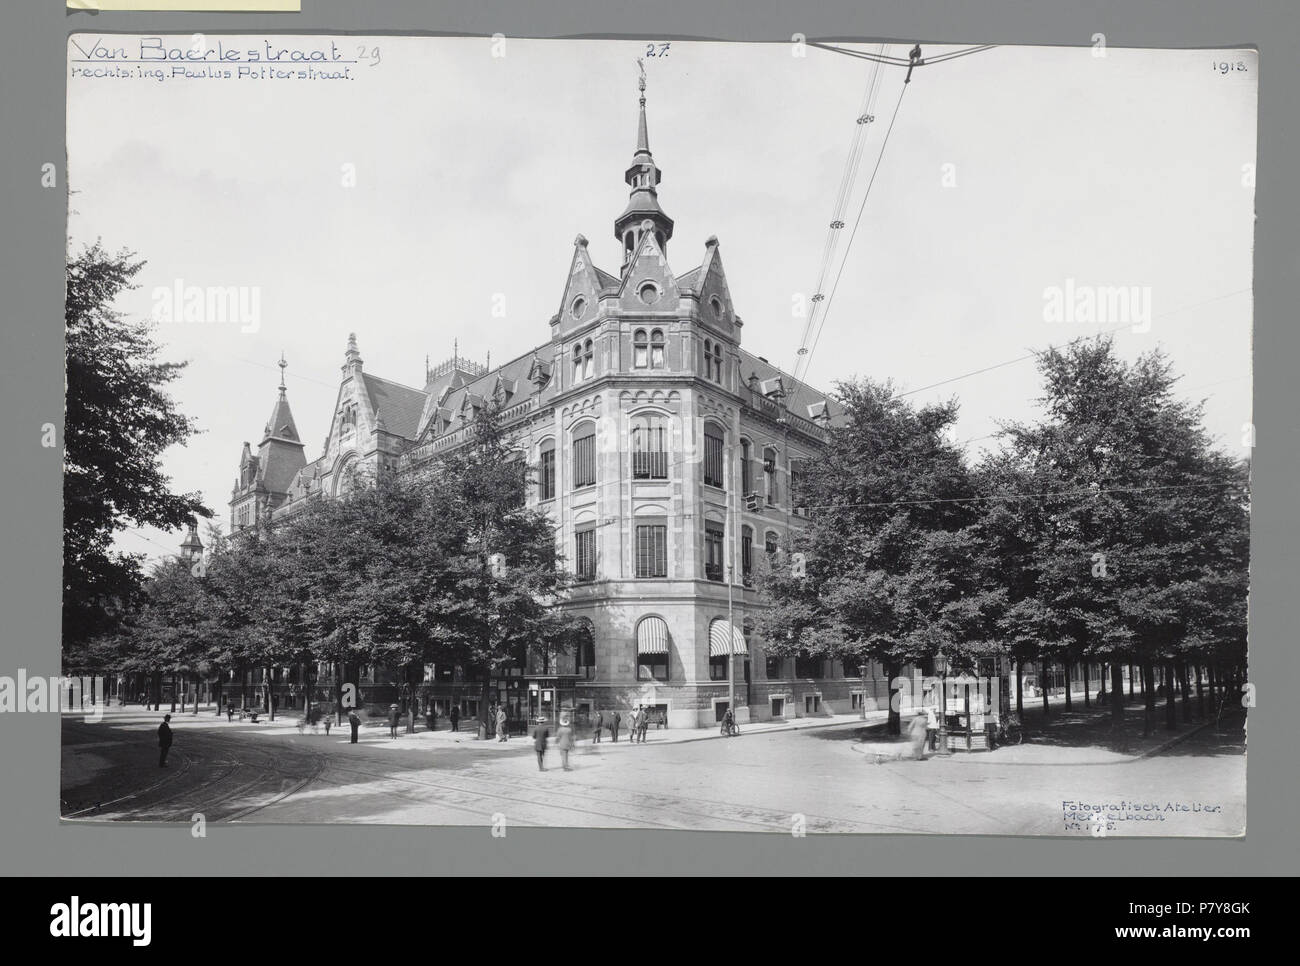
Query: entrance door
x=778 y=707
x=719 y=709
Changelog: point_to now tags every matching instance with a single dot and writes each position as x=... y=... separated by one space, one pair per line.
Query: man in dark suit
x=598 y=725
x=164 y=740
x=540 y=734
x=355 y=722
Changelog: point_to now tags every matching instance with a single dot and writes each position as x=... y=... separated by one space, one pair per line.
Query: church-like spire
x=643 y=178
x=281 y=424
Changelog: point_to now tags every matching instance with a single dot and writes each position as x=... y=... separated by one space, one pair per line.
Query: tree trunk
x=895 y=724
x=1148 y=697
x=484 y=730
x=1068 y=668
x=1087 y=699
x=173 y=694
x=1020 y=689
x=1042 y=683
x=1117 y=694
x=1171 y=689
x=1185 y=683
x=1200 y=693
x=410 y=720
x=1132 y=673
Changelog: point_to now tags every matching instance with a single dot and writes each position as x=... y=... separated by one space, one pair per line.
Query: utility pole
x=731 y=572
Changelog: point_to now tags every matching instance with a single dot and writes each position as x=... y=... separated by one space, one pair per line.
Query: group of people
x=638 y=723
x=564 y=741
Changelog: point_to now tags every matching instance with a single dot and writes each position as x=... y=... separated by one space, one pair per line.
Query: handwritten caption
x=160 y=59
x=1113 y=816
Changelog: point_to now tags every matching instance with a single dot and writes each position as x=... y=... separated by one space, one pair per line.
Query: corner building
x=668 y=456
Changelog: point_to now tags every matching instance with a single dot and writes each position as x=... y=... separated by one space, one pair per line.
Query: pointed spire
x=283 y=365
x=643 y=177
x=281 y=425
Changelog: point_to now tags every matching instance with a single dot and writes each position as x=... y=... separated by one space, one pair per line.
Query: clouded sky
x=1007 y=173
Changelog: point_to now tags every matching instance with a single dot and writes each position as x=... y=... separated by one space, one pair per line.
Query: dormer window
x=716 y=304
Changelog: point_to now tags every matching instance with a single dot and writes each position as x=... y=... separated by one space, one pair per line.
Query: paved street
x=757 y=782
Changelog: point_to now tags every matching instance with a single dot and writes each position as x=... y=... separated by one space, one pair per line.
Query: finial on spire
x=640 y=64
x=283 y=365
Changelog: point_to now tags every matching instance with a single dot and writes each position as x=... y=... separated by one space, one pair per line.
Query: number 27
x=663 y=50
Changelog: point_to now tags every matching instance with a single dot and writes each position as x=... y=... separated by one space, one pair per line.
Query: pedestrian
x=355 y=722
x=931 y=727
x=230 y=710
x=728 y=722
x=329 y=720
x=645 y=724
x=394 y=716
x=614 y=720
x=598 y=725
x=916 y=736
x=564 y=742
x=540 y=734
x=164 y=740
x=501 y=723
x=454 y=717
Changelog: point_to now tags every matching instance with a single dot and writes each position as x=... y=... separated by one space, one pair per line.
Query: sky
x=431 y=198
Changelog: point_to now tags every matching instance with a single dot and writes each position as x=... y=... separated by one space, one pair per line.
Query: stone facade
x=668 y=457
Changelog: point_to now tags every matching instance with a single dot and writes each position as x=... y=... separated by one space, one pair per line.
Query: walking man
x=645 y=724
x=355 y=722
x=501 y=723
x=394 y=716
x=454 y=717
x=598 y=725
x=564 y=741
x=164 y=740
x=614 y=720
x=230 y=710
x=540 y=734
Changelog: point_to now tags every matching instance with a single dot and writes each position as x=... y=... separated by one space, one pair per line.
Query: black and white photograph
x=797 y=437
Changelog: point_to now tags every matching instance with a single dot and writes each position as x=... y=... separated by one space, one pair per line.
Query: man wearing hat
x=540 y=734
x=164 y=740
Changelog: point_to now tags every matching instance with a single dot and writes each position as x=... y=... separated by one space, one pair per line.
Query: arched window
x=771 y=542
x=657 y=349
x=584 y=650
x=708 y=357
x=769 y=474
x=546 y=471
x=640 y=349
x=584 y=455
x=649 y=448
x=588 y=357
x=747 y=554
x=713 y=460
x=746 y=468
x=796 y=487
x=577 y=362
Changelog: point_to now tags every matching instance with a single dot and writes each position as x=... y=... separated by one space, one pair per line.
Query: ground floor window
x=718 y=668
x=652 y=667
x=774 y=666
x=778 y=707
x=812 y=704
x=857 y=700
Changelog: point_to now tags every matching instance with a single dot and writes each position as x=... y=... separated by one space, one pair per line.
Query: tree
x=894 y=570
x=117 y=423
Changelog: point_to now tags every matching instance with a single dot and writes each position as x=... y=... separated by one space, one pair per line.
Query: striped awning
x=652 y=636
x=718 y=634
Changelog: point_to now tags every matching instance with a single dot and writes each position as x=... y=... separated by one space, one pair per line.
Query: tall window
x=775 y=665
x=770 y=542
x=796 y=487
x=746 y=470
x=588 y=357
x=714 y=534
x=652 y=549
x=806 y=666
x=713 y=360
x=577 y=363
x=657 y=349
x=713 y=456
x=649 y=449
x=584 y=553
x=640 y=349
x=584 y=455
x=769 y=474
x=746 y=554
x=546 y=472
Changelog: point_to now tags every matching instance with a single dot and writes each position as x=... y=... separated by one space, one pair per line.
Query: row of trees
x=446 y=567
x=1111 y=531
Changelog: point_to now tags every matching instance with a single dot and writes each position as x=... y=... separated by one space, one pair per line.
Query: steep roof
x=400 y=406
x=800 y=398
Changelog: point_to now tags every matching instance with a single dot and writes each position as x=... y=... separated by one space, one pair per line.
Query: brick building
x=668 y=456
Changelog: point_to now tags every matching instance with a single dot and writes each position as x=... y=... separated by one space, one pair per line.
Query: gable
x=715 y=295
x=582 y=288
x=648 y=284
